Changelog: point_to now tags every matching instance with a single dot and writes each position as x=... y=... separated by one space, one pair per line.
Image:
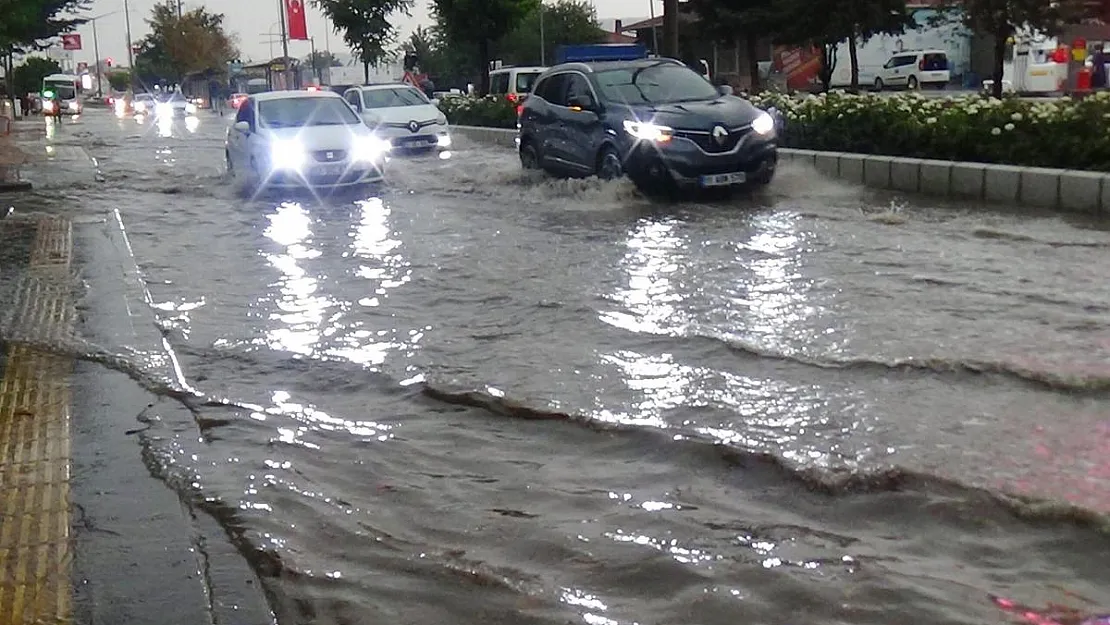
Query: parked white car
x=912 y=69
x=303 y=139
x=401 y=114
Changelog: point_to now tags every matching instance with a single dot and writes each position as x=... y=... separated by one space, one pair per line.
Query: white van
x=514 y=82
x=913 y=69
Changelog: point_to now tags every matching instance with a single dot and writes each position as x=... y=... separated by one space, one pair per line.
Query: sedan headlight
x=763 y=124
x=441 y=120
x=140 y=107
x=287 y=154
x=368 y=149
x=646 y=131
x=190 y=108
x=73 y=106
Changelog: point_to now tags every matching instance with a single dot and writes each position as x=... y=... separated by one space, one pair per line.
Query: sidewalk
x=11 y=161
x=87 y=535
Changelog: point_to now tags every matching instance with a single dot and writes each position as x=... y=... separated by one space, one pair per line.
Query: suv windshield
x=387 y=98
x=655 y=84
x=296 y=112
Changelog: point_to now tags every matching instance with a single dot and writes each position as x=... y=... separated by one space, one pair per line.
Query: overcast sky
x=249 y=21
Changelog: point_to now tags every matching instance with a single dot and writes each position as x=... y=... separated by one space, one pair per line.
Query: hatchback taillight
x=921 y=65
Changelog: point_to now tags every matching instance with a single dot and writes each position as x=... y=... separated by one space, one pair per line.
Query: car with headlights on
x=174 y=105
x=655 y=120
x=303 y=139
x=402 y=114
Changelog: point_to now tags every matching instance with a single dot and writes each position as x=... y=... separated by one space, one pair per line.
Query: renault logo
x=720 y=134
x=413 y=126
x=330 y=156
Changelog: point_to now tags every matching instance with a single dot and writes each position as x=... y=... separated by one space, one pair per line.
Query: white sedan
x=402 y=114
x=303 y=139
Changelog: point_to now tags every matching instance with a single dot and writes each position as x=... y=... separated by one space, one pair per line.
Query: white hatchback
x=303 y=139
x=402 y=114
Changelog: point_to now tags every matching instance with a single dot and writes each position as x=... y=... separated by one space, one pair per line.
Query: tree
x=33 y=24
x=119 y=80
x=478 y=25
x=564 y=21
x=733 y=20
x=28 y=76
x=826 y=24
x=365 y=26
x=195 y=41
x=1001 y=19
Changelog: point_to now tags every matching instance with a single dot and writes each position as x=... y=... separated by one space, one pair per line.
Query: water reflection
x=297 y=324
x=192 y=123
x=777 y=296
x=650 y=299
x=385 y=268
x=165 y=126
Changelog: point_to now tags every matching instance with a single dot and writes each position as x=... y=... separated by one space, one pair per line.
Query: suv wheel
x=609 y=166
x=911 y=83
x=529 y=158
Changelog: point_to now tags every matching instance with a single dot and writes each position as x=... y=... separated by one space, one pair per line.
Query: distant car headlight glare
x=190 y=108
x=163 y=109
x=287 y=154
x=763 y=124
x=368 y=149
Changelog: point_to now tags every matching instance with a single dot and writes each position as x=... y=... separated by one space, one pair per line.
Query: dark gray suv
x=655 y=120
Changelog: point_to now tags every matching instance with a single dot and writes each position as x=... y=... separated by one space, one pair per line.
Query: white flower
x=1016 y=117
x=1008 y=128
x=996 y=131
x=930 y=120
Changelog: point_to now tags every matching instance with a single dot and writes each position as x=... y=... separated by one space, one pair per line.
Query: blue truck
x=584 y=53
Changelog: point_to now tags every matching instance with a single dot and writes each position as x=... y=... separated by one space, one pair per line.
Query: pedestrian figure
x=1098 y=68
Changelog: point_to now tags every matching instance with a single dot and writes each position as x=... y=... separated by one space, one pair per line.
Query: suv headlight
x=368 y=149
x=287 y=154
x=646 y=131
x=763 y=124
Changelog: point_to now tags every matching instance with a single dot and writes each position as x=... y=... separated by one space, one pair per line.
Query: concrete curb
x=505 y=137
x=1067 y=190
x=1059 y=189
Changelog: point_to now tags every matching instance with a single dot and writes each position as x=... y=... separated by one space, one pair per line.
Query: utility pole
x=180 y=8
x=284 y=45
x=654 y=29
x=130 y=52
x=96 y=53
x=543 y=42
x=315 y=59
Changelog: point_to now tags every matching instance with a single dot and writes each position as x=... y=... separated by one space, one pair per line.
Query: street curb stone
x=1067 y=190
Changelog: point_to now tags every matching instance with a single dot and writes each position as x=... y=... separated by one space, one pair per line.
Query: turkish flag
x=71 y=42
x=298 y=25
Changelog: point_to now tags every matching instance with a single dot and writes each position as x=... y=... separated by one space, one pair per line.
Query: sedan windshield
x=387 y=98
x=297 y=112
x=661 y=83
x=65 y=92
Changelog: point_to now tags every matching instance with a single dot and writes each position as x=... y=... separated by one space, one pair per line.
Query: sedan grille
x=330 y=156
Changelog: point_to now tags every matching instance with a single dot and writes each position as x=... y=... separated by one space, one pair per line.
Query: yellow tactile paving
x=35 y=585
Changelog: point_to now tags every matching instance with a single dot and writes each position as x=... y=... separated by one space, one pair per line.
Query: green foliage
x=27 y=78
x=119 y=79
x=477 y=25
x=564 y=22
x=489 y=111
x=365 y=25
x=1052 y=133
x=176 y=46
x=32 y=24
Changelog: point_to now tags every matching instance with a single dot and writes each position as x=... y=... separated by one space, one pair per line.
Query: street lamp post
x=543 y=42
x=130 y=52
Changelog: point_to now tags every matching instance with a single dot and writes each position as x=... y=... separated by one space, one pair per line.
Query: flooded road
x=479 y=396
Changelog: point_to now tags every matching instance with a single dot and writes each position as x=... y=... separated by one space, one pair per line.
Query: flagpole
x=284 y=44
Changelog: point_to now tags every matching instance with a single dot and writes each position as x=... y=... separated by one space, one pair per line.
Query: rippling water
x=481 y=396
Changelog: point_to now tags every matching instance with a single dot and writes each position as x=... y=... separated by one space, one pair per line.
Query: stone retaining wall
x=1059 y=189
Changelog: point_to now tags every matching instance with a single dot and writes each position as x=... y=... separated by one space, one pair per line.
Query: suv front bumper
x=684 y=162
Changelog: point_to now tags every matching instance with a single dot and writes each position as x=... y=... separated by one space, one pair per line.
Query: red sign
x=71 y=42
x=298 y=24
x=414 y=79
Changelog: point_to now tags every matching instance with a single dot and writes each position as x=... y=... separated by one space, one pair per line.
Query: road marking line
x=35 y=558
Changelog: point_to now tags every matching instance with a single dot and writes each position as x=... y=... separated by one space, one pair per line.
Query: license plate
x=423 y=140
x=720 y=180
x=328 y=170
